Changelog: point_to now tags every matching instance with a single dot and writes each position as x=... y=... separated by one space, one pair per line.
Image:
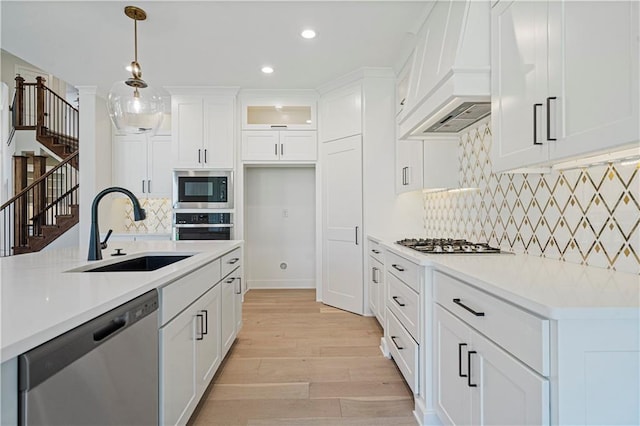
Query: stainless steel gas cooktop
x=447 y=246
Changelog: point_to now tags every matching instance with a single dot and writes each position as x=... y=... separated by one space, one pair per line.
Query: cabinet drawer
x=521 y=333
x=405 y=303
x=375 y=251
x=403 y=349
x=231 y=261
x=407 y=271
x=181 y=293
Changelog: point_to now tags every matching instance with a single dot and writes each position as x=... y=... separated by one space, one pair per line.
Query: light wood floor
x=299 y=362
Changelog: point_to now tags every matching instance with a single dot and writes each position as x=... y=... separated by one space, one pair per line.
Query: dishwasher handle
x=115 y=325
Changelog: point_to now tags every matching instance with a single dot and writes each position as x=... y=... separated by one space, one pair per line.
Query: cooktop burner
x=447 y=246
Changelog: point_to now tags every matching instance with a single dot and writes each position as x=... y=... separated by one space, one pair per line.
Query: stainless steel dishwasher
x=104 y=372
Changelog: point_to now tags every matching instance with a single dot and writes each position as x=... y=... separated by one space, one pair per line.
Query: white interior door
x=343 y=285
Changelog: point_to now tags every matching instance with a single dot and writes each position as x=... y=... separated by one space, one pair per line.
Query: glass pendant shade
x=136 y=110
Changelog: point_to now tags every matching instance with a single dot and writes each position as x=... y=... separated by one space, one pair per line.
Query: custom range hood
x=449 y=84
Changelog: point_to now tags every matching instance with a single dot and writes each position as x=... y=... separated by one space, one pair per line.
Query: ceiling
x=214 y=43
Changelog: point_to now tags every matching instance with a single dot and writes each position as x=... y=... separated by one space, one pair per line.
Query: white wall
x=271 y=193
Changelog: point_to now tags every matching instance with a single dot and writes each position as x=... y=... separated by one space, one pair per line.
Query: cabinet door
x=159 y=176
x=439 y=155
x=507 y=392
x=178 y=393
x=453 y=395
x=207 y=335
x=260 y=145
x=518 y=83
x=593 y=73
x=238 y=296
x=343 y=285
x=130 y=163
x=408 y=166
x=341 y=113
x=228 y=320
x=298 y=146
x=218 y=130
x=373 y=283
x=187 y=131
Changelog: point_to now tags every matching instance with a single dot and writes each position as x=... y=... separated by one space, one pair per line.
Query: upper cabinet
x=341 y=112
x=268 y=112
x=203 y=131
x=142 y=164
x=565 y=80
x=274 y=145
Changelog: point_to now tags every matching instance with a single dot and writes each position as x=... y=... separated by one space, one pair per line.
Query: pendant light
x=134 y=106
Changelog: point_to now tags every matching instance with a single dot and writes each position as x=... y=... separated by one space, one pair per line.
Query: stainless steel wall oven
x=202 y=226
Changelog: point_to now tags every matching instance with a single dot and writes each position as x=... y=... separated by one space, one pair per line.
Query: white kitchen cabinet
x=178 y=392
x=358 y=182
x=440 y=164
x=409 y=169
x=341 y=113
x=376 y=280
x=231 y=321
x=207 y=336
x=480 y=383
x=142 y=164
x=271 y=111
x=203 y=131
x=564 y=80
x=273 y=145
x=342 y=227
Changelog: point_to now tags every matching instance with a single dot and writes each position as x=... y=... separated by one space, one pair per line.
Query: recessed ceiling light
x=267 y=70
x=308 y=34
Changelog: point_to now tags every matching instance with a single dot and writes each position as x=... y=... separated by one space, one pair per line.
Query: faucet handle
x=103 y=245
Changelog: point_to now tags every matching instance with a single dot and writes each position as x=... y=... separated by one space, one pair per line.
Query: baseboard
x=276 y=284
x=425 y=417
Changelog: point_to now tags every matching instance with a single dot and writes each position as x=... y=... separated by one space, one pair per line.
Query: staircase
x=42 y=211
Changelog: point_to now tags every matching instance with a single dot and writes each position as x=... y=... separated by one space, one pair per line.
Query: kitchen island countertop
x=40 y=299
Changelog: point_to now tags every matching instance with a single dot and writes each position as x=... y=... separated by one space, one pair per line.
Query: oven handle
x=204 y=225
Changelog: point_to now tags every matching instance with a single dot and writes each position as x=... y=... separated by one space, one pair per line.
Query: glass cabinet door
x=259 y=115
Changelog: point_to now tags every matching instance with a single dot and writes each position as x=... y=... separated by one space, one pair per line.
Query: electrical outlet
x=285 y=212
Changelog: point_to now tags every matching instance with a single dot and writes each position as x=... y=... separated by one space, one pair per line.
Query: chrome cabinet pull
x=476 y=313
x=460 y=345
x=471 y=385
x=199 y=152
x=357 y=235
x=535 y=124
x=549 y=138
x=374 y=275
x=398 y=267
x=239 y=286
x=395 y=299
x=205 y=155
x=233 y=261
x=275 y=151
x=230 y=280
x=143 y=186
x=405 y=174
x=149 y=186
x=281 y=149
x=375 y=251
x=393 y=339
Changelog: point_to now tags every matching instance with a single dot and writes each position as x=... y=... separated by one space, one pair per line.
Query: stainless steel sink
x=141 y=264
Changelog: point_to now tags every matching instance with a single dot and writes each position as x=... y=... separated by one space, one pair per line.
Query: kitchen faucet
x=95 y=246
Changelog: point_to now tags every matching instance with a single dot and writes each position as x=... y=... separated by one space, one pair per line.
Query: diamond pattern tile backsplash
x=588 y=216
x=158 y=216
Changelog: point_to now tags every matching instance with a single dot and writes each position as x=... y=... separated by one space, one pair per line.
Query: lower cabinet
x=196 y=334
x=376 y=280
x=189 y=356
x=480 y=383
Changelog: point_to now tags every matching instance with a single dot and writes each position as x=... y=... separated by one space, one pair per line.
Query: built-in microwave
x=203 y=189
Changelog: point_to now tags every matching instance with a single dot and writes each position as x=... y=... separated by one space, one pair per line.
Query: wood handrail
x=59 y=97
x=39 y=180
x=56 y=201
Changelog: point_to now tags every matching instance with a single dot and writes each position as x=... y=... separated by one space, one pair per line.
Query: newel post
x=40 y=112
x=19 y=105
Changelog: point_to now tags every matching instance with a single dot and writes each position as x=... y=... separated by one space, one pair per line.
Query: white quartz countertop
x=547 y=287
x=40 y=299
